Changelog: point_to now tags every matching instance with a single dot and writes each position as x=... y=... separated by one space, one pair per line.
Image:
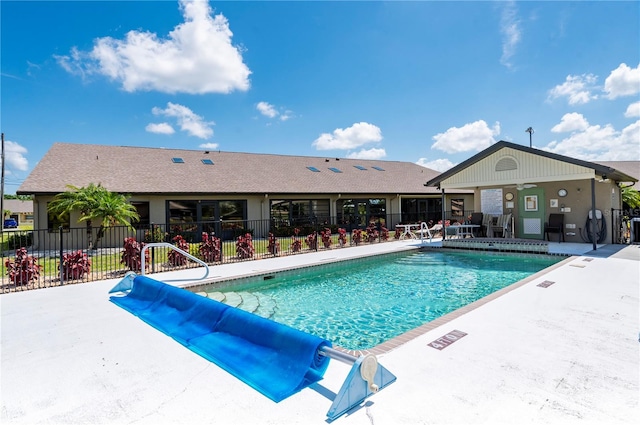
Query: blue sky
x=426 y=82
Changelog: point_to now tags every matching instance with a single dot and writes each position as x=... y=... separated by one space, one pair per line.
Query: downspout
x=594 y=226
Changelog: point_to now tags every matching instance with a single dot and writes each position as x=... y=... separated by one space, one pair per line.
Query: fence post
x=61 y=253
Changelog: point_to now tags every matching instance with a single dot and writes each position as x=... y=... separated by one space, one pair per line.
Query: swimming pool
x=358 y=304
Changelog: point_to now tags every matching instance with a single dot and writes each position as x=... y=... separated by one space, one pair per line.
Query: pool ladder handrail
x=175 y=248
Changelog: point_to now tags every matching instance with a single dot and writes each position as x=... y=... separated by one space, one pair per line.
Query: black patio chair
x=476 y=218
x=555 y=225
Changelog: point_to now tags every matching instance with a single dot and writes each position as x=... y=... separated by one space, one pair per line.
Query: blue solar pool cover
x=274 y=359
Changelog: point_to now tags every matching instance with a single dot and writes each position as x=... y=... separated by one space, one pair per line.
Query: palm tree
x=631 y=197
x=94 y=202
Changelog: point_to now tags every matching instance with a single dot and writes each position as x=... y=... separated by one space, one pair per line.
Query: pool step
x=257 y=303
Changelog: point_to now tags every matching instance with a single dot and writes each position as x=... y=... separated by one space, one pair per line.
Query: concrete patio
x=566 y=351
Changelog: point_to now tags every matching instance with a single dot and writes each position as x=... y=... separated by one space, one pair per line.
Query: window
x=335 y=170
x=207 y=161
x=177 y=160
x=314 y=169
x=142 y=208
x=360 y=167
x=457 y=207
x=54 y=222
x=378 y=168
x=298 y=212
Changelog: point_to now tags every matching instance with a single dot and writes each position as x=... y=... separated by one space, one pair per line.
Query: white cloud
x=286 y=115
x=267 y=109
x=196 y=57
x=571 y=122
x=160 y=128
x=633 y=110
x=623 y=81
x=372 y=153
x=577 y=88
x=208 y=146
x=442 y=164
x=511 y=33
x=357 y=135
x=600 y=143
x=475 y=136
x=187 y=120
x=14 y=154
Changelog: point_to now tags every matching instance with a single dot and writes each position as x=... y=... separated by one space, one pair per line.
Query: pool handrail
x=175 y=248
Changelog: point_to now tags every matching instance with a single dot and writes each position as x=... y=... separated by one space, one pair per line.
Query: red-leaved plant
x=244 y=247
x=342 y=236
x=384 y=233
x=174 y=257
x=132 y=254
x=312 y=241
x=356 y=236
x=274 y=244
x=210 y=248
x=296 y=244
x=326 y=237
x=372 y=233
x=24 y=268
x=75 y=265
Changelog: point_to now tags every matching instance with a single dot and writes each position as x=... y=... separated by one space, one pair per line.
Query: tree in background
x=631 y=197
x=94 y=202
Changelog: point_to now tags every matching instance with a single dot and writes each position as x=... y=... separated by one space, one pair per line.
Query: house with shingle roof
x=529 y=184
x=178 y=186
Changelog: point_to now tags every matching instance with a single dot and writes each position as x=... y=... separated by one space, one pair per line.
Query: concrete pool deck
x=566 y=352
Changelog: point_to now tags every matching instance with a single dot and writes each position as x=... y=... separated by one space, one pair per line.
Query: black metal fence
x=51 y=257
x=625 y=226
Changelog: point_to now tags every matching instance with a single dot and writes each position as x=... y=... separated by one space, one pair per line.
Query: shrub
x=210 y=248
x=274 y=245
x=342 y=236
x=296 y=245
x=384 y=233
x=372 y=233
x=156 y=234
x=244 y=247
x=356 y=236
x=312 y=241
x=132 y=254
x=326 y=237
x=75 y=265
x=24 y=268
x=176 y=258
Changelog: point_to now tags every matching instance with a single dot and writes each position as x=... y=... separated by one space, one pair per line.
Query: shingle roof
x=138 y=170
x=631 y=168
x=599 y=167
x=18 y=206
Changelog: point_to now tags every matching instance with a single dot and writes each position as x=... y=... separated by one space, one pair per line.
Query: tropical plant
x=156 y=234
x=244 y=247
x=372 y=233
x=131 y=255
x=274 y=245
x=24 y=268
x=75 y=265
x=176 y=258
x=356 y=236
x=210 y=248
x=326 y=237
x=94 y=202
x=384 y=233
x=631 y=197
x=312 y=241
x=342 y=236
x=296 y=244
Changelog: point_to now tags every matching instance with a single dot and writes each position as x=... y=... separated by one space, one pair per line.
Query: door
x=531 y=208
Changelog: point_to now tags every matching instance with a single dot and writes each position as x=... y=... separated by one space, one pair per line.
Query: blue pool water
x=359 y=304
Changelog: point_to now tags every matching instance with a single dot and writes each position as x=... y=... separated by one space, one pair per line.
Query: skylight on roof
x=378 y=168
x=335 y=170
x=177 y=160
x=314 y=169
x=360 y=167
x=207 y=161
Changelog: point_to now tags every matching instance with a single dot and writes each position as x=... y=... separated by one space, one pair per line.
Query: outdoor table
x=407 y=230
x=464 y=230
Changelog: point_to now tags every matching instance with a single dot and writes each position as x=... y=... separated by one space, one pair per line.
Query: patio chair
x=502 y=226
x=555 y=225
x=477 y=219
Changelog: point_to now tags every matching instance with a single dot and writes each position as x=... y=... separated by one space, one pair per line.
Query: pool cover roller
x=274 y=359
